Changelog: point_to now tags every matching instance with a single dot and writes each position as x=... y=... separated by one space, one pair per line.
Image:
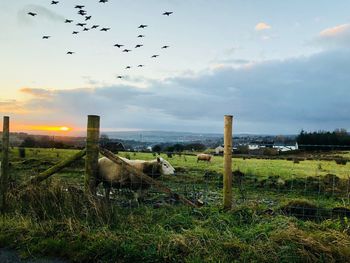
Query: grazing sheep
x=204 y=157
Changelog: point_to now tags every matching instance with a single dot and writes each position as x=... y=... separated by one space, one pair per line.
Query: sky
x=278 y=67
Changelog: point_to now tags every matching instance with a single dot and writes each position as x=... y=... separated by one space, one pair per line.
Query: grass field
x=277 y=217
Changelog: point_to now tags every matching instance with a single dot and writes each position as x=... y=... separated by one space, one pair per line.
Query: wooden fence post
x=4 y=177
x=92 y=152
x=228 y=162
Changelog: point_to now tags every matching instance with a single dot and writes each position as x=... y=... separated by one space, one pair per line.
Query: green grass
x=50 y=220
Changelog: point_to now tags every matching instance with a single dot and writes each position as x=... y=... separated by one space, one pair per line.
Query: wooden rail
x=54 y=169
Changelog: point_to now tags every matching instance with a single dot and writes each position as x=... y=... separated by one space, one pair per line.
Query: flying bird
x=126 y=50
x=86 y=29
x=128 y=67
x=75 y=32
x=137 y=46
x=119 y=77
x=167 y=13
x=70 y=53
x=140 y=36
x=79 y=6
x=103 y=1
x=87 y=18
x=143 y=26
x=164 y=47
x=118 y=45
x=140 y=66
x=32 y=14
x=94 y=26
x=54 y=2
x=81 y=24
x=155 y=56
x=46 y=37
x=82 y=12
x=68 y=21
x=105 y=29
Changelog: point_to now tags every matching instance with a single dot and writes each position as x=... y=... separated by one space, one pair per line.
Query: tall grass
x=59 y=221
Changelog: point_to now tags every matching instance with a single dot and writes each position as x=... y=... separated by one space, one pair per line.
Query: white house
x=286 y=148
x=219 y=149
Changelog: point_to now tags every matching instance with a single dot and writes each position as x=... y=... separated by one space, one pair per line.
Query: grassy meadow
x=283 y=212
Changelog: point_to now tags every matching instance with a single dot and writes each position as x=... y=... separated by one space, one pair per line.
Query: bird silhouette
x=143 y=26
x=128 y=67
x=70 y=53
x=75 y=32
x=118 y=45
x=105 y=29
x=81 y=24
x=167 y=13
x=126 y=50
x=82 y=12
x=46 y=37
x=87 y=18
x=54 y=2
x=68 y=21
x=164 y=47
x=140 y=66
x=155 y=56
x=79 y=6
x=103 y=1
x=137 y=46
x=140 y=36
x=86 y=29
x=94 y=26
x=32 y=14
x=119 y=77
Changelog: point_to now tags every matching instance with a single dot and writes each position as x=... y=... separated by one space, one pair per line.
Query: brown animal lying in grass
x=116 y=176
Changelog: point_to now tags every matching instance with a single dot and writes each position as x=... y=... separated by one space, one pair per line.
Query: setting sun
x=64 y=128
x=46 y=129
x=50 y=128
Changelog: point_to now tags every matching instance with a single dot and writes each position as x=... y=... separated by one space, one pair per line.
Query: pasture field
x=283 y=212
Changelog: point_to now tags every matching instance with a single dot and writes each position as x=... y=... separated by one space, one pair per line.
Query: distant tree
x=179 y=147
x=104 y=139
x=28 y=142
x=169 y=149
x=157 y=148
x=195 y=147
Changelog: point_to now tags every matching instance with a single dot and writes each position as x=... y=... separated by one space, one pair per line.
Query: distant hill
x=163 y=136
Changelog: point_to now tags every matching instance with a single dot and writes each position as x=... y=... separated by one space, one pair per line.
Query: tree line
x=324 y=140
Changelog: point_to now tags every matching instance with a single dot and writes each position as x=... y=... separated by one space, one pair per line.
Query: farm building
x=286 y=148
x=219 y=150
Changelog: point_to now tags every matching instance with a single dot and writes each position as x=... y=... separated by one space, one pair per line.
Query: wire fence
x=302 y=184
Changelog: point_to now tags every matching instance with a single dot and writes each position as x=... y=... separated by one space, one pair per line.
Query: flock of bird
x=84 y=27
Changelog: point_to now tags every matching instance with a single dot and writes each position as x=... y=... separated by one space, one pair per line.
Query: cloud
x=277 y=96
x=9 y=107
x=262 y=26
x=41 y=11
x=335 y=31
x=36 y=92
x=337 y=36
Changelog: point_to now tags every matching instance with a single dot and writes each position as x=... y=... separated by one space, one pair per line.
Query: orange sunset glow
x=43 y=128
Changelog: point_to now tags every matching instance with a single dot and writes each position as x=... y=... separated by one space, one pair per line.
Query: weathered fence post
x=4 y=177
x=228 y=162
x=92 y=152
